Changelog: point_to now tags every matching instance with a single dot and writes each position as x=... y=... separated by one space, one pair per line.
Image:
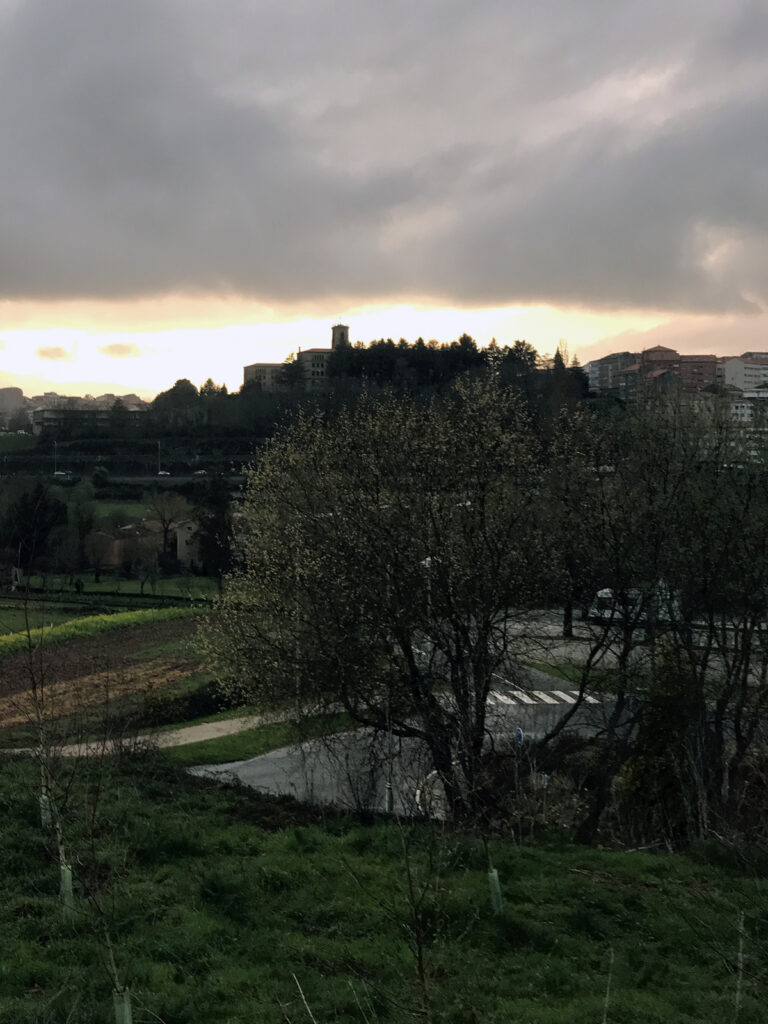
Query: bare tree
x=170 y=509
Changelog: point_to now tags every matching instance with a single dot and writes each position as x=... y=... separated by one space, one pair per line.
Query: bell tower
x=339 y=335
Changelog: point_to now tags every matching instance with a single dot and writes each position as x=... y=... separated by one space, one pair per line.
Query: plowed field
x=87 y=673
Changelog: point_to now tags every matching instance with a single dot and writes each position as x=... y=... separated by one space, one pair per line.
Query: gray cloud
x=120 y=350
x=53 y=352
x=595 y=153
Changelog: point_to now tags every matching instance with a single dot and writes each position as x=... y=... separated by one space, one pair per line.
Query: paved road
x=354 y=769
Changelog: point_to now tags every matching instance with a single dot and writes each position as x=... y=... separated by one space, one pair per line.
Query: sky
x=188 y=187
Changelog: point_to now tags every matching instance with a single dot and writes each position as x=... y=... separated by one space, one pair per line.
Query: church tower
x=339 y=336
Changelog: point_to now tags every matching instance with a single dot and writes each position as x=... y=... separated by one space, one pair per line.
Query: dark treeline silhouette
x=421 y=369
x=429 y=367
x=406 y=367
x=210 y=428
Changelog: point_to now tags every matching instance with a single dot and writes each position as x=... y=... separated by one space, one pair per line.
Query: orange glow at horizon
x=145 y=345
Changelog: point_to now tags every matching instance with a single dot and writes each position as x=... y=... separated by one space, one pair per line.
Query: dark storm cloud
x=596 y=153
x=120 y=350
x=53 y=352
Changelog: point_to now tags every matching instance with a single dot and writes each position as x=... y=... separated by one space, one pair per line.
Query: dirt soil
x=88 y=672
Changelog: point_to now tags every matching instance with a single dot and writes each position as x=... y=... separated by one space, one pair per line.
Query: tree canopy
x=390 y=559
x=382 y=555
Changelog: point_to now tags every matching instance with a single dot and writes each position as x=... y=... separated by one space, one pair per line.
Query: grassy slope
x=253 y=742
x=219 y=896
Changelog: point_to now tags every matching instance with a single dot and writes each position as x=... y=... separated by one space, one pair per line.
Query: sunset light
x=166 y=219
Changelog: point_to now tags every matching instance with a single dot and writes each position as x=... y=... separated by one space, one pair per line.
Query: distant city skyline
x=592 y=173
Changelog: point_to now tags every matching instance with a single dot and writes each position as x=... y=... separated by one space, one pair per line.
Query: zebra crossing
x=512 y=695
x=537 y=697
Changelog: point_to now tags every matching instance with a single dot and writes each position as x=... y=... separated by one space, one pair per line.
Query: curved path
x=166 y=738
x=529 y=703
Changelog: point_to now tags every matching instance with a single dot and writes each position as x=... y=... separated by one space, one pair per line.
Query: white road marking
x=545 y=696
x=587 y=698
x=566 y=696
x=502 y=697
x=539 y=697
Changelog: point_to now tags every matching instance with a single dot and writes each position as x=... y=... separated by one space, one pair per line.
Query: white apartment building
x=745 y=372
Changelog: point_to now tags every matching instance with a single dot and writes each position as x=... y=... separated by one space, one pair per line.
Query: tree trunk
x=440 y=748
x=568 y=619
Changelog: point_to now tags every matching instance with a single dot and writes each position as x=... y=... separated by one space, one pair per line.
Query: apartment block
x=744 y=372
x=605 y=374
x=662 y=370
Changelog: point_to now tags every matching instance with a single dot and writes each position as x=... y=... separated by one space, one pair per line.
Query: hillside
x=221 y=902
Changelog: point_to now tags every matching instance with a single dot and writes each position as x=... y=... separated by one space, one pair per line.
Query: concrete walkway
x=209 y=730
x=167 y=738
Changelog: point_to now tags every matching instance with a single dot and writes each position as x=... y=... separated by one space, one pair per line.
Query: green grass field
x=45 y=619
x=14 y=618
x=11 y=443
x=219 y=901
x=254 y=742
x=58 y=585
x=601 y=680
x=124 y=511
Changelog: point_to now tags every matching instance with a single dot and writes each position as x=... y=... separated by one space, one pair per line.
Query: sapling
x=739 y=970
x=497 y=903
x=608 y=987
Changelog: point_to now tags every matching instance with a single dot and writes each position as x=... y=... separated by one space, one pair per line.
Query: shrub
x=162 y=708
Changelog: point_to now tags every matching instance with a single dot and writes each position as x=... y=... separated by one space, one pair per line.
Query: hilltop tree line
x=420 y=369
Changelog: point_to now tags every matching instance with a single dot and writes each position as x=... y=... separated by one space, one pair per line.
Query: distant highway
x=173 y=481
